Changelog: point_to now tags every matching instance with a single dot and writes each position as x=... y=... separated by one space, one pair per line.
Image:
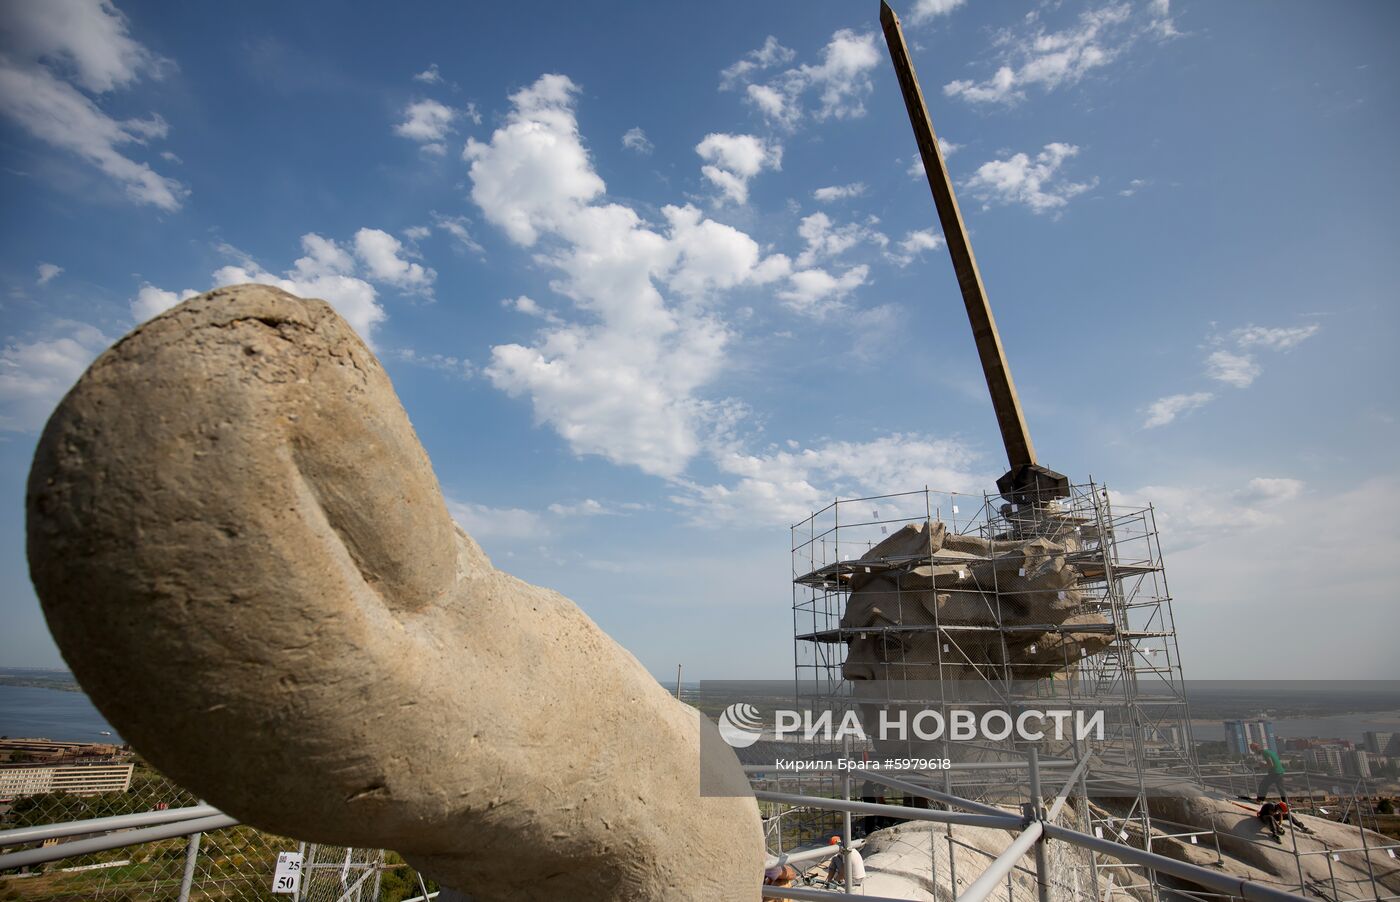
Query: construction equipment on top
x=1027 y=482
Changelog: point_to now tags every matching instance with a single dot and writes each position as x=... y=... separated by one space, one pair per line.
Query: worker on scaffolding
x=1273 y=773
x=836 y=872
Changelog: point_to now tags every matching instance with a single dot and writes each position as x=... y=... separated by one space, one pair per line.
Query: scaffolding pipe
x=114 y=841
x=191 y=857
x=816 y=895
x=1042 y=864
x=933 y=794
x=991 y=878
x=104 y=824
x=1002 y=822
x=1213 y=880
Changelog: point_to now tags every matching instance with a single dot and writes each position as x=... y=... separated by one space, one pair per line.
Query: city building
x=1356 y=763
x=74 y=779
x=1382 y=743
x=1241 y=734
x=1325 y=760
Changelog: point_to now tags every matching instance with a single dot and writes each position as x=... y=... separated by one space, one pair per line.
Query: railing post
x=1036 y=812
x=191 y=856
x=846 y=819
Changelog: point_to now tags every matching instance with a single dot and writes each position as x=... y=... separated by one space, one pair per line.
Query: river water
x=30 y=712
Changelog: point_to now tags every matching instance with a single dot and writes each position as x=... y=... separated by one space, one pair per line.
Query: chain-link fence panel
x=235 y=864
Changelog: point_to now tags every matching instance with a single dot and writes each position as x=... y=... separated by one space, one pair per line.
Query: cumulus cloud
x=50 y=54
x=35 y=374
x=47 y=273
x=1037 y=57
x=913 y=245
x=1275 y=339
x=383 y=255
x=456 y=226
x=1036 y=183
x=1234 y=362
x=442 y=363
x=1239 y=370
x=151 y=300
x=731 y=161
x=427 y=122
x=840 y=82
x=1165 y=410
x=782 y=486
x=839 y=192
x=534 y=172
x=924 y=10
x=430 y=75
x=816 y=292
x=826 y=240
x=636 y=141
x=330 y=272
x=622 y=375
x=770 y=54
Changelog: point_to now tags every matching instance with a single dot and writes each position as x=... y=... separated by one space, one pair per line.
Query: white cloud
x=417 y=233
x=382 y=255
x=1021 y=180
x=151 y=300
x=48 y=272
x=1279 y=339
x=530 y=307
x=636 y=141
x=1134 y=186
x=534 y=172
x=1239 y=367
x=841 y=81
x=87 y=37
x=326 y=272
x=1239 y=370
x=924 y=10
x=816 y=292
x=623 y=377
x=483 y=522
x=426 y=121
x=591 y=508
x=839 y=192
x=456 y=226
x=48 y=48
x=430 y=75
x=732 y=160
x=770 y=54
x=35 y=375
x=913 y=245
x=781 y=487
x=1049 y=59
x=1271 y=489
x=825 y=240
x=1165 y=410
x=472 y=113
x=443 y=363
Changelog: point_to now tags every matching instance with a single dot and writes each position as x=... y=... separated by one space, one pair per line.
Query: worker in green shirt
x=1273 y=773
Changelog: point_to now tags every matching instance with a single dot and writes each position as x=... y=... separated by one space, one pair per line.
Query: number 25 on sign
x=287 y=878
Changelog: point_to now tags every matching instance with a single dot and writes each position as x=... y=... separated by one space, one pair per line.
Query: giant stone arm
x=243 y=554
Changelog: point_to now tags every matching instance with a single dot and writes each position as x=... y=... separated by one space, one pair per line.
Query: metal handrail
x=115 y=841
x=43 y=832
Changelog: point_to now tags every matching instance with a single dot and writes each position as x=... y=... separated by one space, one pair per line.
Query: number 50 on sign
x=287 y=879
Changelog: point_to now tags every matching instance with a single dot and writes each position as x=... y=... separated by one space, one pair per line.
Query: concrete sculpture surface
x=244 y=555
x=941 y=592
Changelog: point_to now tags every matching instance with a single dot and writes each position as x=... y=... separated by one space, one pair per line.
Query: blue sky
x=655 y=281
